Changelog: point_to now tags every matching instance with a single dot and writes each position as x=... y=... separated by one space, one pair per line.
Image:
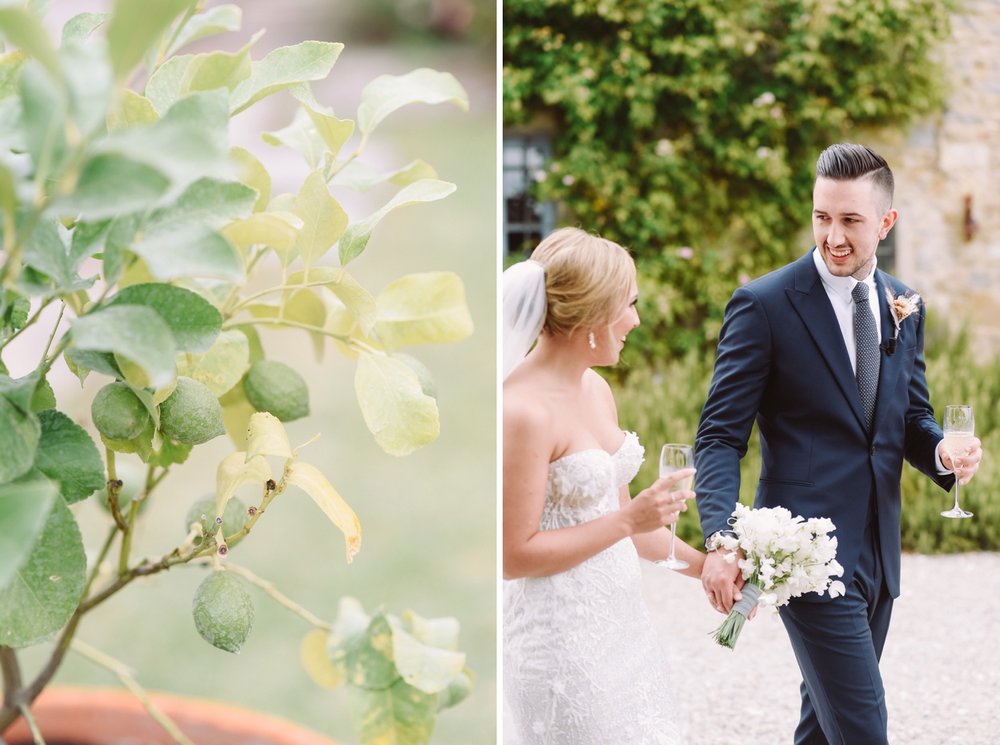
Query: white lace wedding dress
x=581 y=662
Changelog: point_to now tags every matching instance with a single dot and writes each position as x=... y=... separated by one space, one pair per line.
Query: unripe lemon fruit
x=118 y=413
x=191 y=414
x=278 y=389
x=223 y=611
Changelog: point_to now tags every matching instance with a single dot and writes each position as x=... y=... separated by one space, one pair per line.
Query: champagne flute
x=959 y=428
x=674 y=458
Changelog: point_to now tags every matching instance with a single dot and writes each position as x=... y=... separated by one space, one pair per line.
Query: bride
x=581 y=662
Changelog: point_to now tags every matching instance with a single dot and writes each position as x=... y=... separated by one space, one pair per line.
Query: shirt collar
x=843 y=286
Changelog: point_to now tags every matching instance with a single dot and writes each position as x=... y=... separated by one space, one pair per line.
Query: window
x=525 y=222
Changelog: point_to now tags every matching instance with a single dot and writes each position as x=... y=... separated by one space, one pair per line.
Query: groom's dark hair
x=846 y=161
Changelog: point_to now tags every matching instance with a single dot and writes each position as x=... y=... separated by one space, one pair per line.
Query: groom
x=814 y=353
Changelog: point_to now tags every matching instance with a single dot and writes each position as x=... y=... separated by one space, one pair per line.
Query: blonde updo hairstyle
x=587 y=279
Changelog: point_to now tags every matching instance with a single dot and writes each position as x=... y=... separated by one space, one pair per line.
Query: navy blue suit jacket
x=782 y=360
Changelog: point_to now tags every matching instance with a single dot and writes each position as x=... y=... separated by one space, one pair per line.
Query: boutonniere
x=901 y=307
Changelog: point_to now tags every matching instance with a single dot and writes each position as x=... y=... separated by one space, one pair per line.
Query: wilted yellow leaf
x=311 y=480
x=316 y=661
x=234 y=471
x=266 y=436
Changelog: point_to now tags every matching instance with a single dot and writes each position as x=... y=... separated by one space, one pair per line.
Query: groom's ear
x=888 y=220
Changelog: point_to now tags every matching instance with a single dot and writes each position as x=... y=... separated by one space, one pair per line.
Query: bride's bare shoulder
x=525 y=404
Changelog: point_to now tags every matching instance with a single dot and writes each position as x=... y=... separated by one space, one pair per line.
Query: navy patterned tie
x=866 y=338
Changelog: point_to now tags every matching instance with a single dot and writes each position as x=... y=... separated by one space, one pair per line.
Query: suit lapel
x=887 y=364
x=809 y=299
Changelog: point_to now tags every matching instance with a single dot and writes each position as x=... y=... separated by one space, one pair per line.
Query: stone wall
x=938 y=163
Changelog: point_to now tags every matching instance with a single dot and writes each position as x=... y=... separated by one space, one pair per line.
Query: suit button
x=872 y=451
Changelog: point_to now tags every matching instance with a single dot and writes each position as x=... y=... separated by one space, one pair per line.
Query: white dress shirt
x=839 y=290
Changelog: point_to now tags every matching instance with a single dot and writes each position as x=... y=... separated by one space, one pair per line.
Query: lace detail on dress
x=582 y=664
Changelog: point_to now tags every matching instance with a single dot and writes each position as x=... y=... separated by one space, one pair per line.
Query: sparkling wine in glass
x=959 y=429
x=674 y=458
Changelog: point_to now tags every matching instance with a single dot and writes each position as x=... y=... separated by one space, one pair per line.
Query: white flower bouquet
x=784 y=557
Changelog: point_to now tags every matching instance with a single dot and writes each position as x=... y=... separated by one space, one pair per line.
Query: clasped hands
x=964 y=466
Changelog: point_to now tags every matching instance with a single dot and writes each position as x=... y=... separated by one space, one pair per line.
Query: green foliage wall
x=689 y=130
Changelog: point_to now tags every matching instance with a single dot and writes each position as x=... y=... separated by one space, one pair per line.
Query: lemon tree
x=134 y=228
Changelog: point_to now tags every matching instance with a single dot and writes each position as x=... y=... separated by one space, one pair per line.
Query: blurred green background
x=429 y=519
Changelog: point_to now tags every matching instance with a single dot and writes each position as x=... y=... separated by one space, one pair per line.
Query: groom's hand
x=722 y=580
x=964 y=466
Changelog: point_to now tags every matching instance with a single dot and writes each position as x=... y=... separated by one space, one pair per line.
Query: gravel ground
x=941 y=667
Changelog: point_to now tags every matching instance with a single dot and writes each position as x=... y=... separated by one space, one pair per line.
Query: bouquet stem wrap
x=729 y=631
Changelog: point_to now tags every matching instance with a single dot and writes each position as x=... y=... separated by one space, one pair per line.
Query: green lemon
x=118 y=413
x=223 y=611
x=191 y=414
x=234 y=517
x=276 y=388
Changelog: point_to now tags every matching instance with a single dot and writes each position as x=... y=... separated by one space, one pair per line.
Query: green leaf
x=356 y=236
x=361 y=177
x=276 y=230
x=387 y=93
x=182 y=75
x=84 y=361
x=112 y=184
x=207 y=202
x=395 y=408
x=350 y=292
x=24 y=507
x=367 y=657
x=301 y=136
x=44 y=110
x=312 y=481
x=213 y=21
x=188 y=142
x=44 y=397
x=20 y=391
x=423 y=308
x=252 y=173
x=24 y=29
x=334 y=132
x=133 y=110
x=193 y=321
x=323 y=219
x=20 y=431
x=90 y=81
x=284 y=67
x=68 y=456
x=82 y=25
x=10 y=73
x=436 y=632
x=425 y=667
x=134 y=332
x=190 y=252
x=47 y=251
x=221 y=366
x=135 y=26
x=44 y=592
x=401 y=715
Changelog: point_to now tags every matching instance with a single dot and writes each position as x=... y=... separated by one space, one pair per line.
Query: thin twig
x=286 y=601
x=55 y=327
x=35 y=316
x=125 y=675
x=36 y=733
x=11 y=670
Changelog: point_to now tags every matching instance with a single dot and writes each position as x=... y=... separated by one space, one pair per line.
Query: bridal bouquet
x=785 y=557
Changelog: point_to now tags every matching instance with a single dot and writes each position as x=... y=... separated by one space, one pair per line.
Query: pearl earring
x=591 y=341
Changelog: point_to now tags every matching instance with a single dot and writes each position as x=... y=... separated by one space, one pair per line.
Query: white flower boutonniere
x=901 y=307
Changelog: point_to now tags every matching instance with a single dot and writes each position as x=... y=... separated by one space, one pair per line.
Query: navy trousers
x=838 y=645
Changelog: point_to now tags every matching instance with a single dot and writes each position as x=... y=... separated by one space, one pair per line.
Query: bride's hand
x=657 y=506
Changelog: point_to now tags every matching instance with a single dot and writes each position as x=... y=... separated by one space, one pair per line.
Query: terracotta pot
x=96 y=716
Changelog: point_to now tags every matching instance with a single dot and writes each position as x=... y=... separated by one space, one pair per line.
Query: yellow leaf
x=234 y=471
x=354 y=297
x=395 y=408
x=309 y=478
x=266 y=436
x=316 y=662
